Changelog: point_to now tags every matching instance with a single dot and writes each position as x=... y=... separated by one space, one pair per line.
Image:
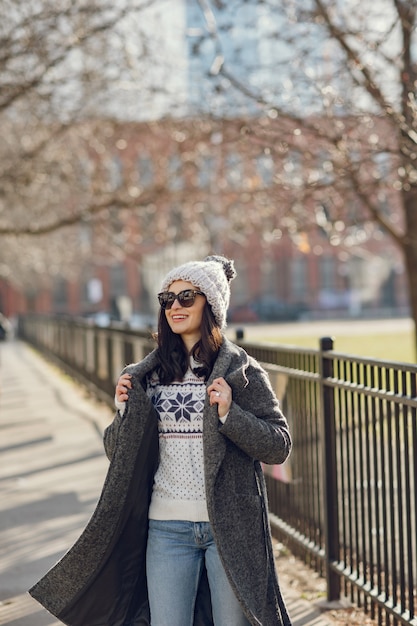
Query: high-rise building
x=223 y=56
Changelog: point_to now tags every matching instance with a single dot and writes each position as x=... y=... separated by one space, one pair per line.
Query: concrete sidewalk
x=52 y=467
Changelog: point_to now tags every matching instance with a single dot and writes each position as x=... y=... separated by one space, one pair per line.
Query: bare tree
x=62 y=63
x=331 y=82
x=345 y=73
x=375 y=83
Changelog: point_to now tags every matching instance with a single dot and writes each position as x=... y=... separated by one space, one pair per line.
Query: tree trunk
x=410 y=255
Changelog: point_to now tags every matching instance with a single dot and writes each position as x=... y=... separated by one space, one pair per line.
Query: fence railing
x=346 y=500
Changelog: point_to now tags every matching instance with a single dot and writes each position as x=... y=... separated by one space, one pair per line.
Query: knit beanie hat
x=212 y=276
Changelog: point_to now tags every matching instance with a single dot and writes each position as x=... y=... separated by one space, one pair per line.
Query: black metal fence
x=346 y=501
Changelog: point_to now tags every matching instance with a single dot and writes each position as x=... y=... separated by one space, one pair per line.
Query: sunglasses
x=186 y=298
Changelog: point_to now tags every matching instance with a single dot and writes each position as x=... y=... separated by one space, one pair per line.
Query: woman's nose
x=176 y=304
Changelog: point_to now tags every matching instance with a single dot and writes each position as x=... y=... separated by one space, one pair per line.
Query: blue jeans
x=176 y=553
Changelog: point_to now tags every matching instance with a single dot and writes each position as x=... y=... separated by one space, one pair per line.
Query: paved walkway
x=52 y=466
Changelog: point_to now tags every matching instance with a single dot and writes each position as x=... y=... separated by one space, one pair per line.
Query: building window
x=115 y=172
x=117 y=278
x=60 y=294
x=234 y=170
x=205 y=172
x=175 y=179
x=327 y=272
x=91 y=291
x=265 y=169
x=268 y=272
x=145 y=171
x=299 y=278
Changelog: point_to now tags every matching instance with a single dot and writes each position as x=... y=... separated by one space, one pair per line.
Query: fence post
x=240 y=334
x=330 y=494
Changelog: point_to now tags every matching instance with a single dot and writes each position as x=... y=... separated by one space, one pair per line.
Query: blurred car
x=271 y=309
x=242 y=313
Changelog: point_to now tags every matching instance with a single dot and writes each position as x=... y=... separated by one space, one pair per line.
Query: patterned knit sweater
x=179 y=487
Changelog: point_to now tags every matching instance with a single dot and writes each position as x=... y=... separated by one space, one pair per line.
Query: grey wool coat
x=101 y=580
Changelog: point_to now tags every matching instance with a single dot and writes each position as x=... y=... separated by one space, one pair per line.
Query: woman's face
x=186 y=321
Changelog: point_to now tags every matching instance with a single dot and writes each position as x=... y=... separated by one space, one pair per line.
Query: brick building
x=235 y=187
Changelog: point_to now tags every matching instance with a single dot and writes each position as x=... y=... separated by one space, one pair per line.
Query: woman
x=180 y=536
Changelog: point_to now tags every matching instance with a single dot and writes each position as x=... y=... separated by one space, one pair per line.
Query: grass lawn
x=398 y=347
x=394 y=345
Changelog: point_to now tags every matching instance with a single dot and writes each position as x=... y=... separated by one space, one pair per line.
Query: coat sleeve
x=111 y=432
x=255 y=422
x=110 y=435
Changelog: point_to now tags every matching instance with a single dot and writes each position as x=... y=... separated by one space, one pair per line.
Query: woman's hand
x=221 y=394
x=122 y=387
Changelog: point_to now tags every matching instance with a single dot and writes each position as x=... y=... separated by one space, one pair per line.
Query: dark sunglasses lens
x=165 y=300
x=186 y=298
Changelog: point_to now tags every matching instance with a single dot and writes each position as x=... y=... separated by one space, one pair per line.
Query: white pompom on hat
x=212 y=276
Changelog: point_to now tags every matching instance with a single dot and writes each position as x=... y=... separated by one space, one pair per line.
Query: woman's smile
x=178 y=317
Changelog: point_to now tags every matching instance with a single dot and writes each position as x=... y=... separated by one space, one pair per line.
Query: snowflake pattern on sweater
x=178 y=411
x=179 y=487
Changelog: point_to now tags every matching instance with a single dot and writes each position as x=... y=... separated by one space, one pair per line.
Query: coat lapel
x=213 y=441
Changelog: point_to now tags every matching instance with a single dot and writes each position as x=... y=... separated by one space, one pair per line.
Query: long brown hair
x=174 y=358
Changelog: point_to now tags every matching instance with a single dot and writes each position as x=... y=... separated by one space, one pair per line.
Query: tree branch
x=368 y=81
x=119 y=202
